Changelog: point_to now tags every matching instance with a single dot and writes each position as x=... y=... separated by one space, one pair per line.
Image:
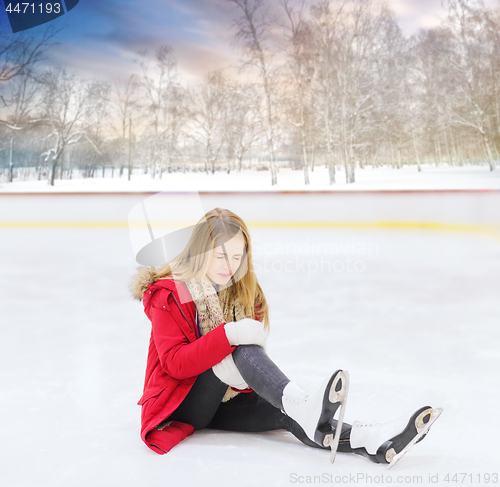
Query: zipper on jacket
x=161 y=449
x=180 y=309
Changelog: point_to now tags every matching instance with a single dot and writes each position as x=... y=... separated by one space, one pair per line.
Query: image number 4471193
x=26 y=15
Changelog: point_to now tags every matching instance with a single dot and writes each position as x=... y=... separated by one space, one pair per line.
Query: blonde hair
x=215 y=228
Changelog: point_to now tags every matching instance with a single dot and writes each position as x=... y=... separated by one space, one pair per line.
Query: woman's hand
x=228 y=373
x=246 y=332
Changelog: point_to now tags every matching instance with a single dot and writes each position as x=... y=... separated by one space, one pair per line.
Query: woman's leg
x=201 y=402
x=270 y=383
x=202 y=407
x=251 y=413
x=261 y=373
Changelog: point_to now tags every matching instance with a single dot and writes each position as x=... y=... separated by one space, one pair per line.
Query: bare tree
x=301 y=69
x=66 y=102
x=254 y=30
x=20 y=58
x=126 y=102
x=240 y=121
x=471 y=61
x=208 y=117
x=245 y=122
x=493 y=33
x=159 y=79
x=176 y=110
x=392 y=106
x=325 y=17
x=434 y=92
x=97 y=114
x=21 y=55
x=357 y=47
x=20 y=113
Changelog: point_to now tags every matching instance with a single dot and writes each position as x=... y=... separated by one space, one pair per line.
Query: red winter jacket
x=177 y=355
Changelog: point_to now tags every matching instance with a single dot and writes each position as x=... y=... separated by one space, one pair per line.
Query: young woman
x=207 y=366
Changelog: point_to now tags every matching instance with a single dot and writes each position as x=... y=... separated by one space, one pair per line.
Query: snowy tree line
x=331 y=82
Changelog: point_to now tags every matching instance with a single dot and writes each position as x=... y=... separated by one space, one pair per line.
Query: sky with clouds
x=102 y=37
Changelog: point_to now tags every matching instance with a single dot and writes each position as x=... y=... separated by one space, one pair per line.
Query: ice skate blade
x=334 y=397
x=339 y=396
x=422 y=428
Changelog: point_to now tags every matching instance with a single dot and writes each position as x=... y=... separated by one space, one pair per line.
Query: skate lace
x=301 y=399
x=367 y=425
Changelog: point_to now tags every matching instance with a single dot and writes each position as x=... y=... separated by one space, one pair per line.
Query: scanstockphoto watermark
x=452 y=478
x=312 y=256
x=359 y=478
x=312 y=246
x=308 y=266
x=27 y=15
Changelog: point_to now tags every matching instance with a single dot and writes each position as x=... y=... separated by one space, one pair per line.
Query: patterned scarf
x=213 y=310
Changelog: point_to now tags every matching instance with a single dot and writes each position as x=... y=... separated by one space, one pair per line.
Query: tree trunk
x=70 y=166
x=11 y=164
x=61 y=172
x=329 y=153
x=350 y=159
x=453 y=148
x=331 y=171
x=486 y=143
x=392 y=153
x=124 y=153
x=415 y=149
x=438 y=151
x=53 y=168
x=130 y=149
x=447 y=145
x=313 y=156
x=304 y=153
x=240 y=161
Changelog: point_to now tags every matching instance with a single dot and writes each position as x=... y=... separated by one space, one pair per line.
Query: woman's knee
x=200 y=423
x=199 y=419
x=243 y=353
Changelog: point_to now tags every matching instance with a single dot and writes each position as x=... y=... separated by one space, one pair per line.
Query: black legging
x=250 y=412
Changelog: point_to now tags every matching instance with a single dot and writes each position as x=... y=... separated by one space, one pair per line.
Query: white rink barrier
x=459 y=210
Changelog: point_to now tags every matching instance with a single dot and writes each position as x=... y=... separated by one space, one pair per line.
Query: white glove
x=246 y=332
x=228 y=373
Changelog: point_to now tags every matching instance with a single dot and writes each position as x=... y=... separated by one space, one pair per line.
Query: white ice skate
x=388 y=442
x=315 y=411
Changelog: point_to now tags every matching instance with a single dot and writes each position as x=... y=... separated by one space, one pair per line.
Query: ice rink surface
x=412 y=313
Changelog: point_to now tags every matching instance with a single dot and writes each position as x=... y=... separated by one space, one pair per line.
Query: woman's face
x=225 y=261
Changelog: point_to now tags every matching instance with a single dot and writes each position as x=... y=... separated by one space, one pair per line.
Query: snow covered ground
x=411 y=312
x=384 y=177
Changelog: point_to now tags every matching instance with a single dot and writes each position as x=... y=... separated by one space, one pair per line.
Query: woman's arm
x=181 y=358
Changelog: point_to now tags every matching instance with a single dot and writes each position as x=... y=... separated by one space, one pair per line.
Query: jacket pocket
x=160 y=300
x=150 y=393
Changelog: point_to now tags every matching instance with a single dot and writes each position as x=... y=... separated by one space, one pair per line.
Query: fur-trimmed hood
x=141 y=280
